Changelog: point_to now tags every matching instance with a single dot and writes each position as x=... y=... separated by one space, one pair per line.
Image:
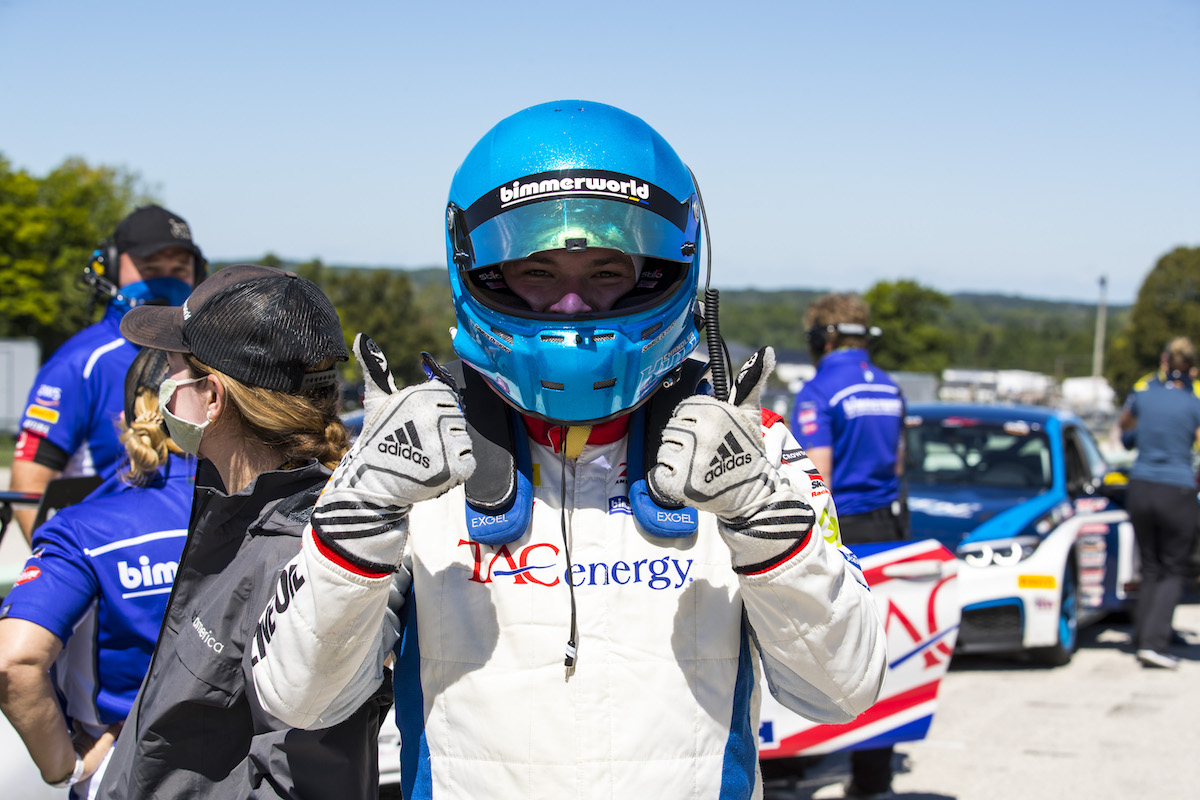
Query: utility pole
x=1098 y=351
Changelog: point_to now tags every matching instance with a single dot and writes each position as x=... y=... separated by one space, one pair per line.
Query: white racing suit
x=663 y=701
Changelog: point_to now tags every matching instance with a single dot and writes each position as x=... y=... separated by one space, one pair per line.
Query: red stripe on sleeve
x=332 y=555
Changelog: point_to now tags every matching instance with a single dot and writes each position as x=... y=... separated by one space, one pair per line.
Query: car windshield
x=961 y=451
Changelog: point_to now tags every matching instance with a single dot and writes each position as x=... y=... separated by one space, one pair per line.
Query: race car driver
x=580 y=620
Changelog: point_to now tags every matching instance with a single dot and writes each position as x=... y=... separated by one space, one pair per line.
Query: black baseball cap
x=261 y=325
x=152 y=228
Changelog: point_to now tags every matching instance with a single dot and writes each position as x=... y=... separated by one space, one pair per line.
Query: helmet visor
x=629 y=216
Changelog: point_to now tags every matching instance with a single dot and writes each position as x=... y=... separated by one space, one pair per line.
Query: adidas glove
x=712 y=458
x=414 y=446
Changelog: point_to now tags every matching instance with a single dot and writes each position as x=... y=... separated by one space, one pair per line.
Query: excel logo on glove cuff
x=405 y=442
x=730 y=455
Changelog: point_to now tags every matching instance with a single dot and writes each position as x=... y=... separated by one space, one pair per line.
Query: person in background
x=69 y=426
x=81 y=622
x=584 y=615
x=850 y=420
x=252 y=389
x=1164 y=408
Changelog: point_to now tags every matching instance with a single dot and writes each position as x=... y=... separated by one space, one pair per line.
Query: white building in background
x=996 y=386
x=1088 y=396
x=19 y=361
x=1023 y=386
x=969 y=386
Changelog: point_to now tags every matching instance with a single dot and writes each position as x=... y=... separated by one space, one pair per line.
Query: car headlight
x=999 y=553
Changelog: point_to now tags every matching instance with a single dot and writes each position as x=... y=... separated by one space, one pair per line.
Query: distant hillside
x=989 y=331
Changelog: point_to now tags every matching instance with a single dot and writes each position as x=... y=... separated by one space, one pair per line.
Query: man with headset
x=850 y=418
x=69 y=427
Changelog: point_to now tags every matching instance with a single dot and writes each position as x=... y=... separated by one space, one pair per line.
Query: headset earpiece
x=817 y=336
x=103 y=271
x=105 y=260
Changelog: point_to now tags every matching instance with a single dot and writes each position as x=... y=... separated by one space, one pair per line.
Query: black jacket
x=196 y=728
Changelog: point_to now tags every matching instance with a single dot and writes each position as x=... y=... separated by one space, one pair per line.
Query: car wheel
x=1061 y=651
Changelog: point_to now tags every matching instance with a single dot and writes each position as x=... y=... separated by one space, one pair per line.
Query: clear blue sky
x=1025 y=147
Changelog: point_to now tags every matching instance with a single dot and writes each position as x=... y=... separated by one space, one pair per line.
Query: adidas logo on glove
x=405 y=443
x=729 y=456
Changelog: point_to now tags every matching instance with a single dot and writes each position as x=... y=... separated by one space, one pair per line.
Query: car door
x=1104 y=544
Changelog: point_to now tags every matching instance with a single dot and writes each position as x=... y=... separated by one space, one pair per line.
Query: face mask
x=186 y=434
x=156 y=291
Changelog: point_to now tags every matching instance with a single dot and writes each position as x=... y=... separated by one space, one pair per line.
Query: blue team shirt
x=854 y=408
x=79 y=394
x=1167 y=419
x=99 y=579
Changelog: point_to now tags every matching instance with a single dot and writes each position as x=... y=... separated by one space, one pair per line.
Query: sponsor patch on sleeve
x=42 y=413
x=28 y=574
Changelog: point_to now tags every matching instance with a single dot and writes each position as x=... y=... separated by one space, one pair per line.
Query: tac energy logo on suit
x=537 y=565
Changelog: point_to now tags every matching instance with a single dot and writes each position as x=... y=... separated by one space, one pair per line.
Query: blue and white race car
x=1024 y=498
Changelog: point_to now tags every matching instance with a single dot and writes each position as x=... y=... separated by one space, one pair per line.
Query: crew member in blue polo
x=69 y=427
x=850 y=419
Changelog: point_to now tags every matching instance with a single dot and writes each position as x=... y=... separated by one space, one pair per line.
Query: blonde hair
x=300 y=426
x=145 y=438
x=1180 y=354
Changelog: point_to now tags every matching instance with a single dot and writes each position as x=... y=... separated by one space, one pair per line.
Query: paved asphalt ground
x=1101 y=728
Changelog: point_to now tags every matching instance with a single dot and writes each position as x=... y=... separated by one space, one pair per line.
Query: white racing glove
x=712 y=458
x=414 y=446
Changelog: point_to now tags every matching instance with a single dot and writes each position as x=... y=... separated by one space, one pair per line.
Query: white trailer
x=19 y=361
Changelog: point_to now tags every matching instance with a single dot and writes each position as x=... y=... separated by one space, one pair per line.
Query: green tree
x=1010 y=332
x=48 y=228
x=1167 y=305
x=912 y=317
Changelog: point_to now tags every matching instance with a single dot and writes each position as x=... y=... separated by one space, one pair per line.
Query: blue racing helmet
x=574 y=175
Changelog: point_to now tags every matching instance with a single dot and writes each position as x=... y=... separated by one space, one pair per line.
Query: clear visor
x=576 y=223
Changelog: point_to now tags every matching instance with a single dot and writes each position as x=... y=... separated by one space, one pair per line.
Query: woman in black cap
x=251 y=389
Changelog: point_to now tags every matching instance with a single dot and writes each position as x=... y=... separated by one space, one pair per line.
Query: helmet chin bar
x=577 y=370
